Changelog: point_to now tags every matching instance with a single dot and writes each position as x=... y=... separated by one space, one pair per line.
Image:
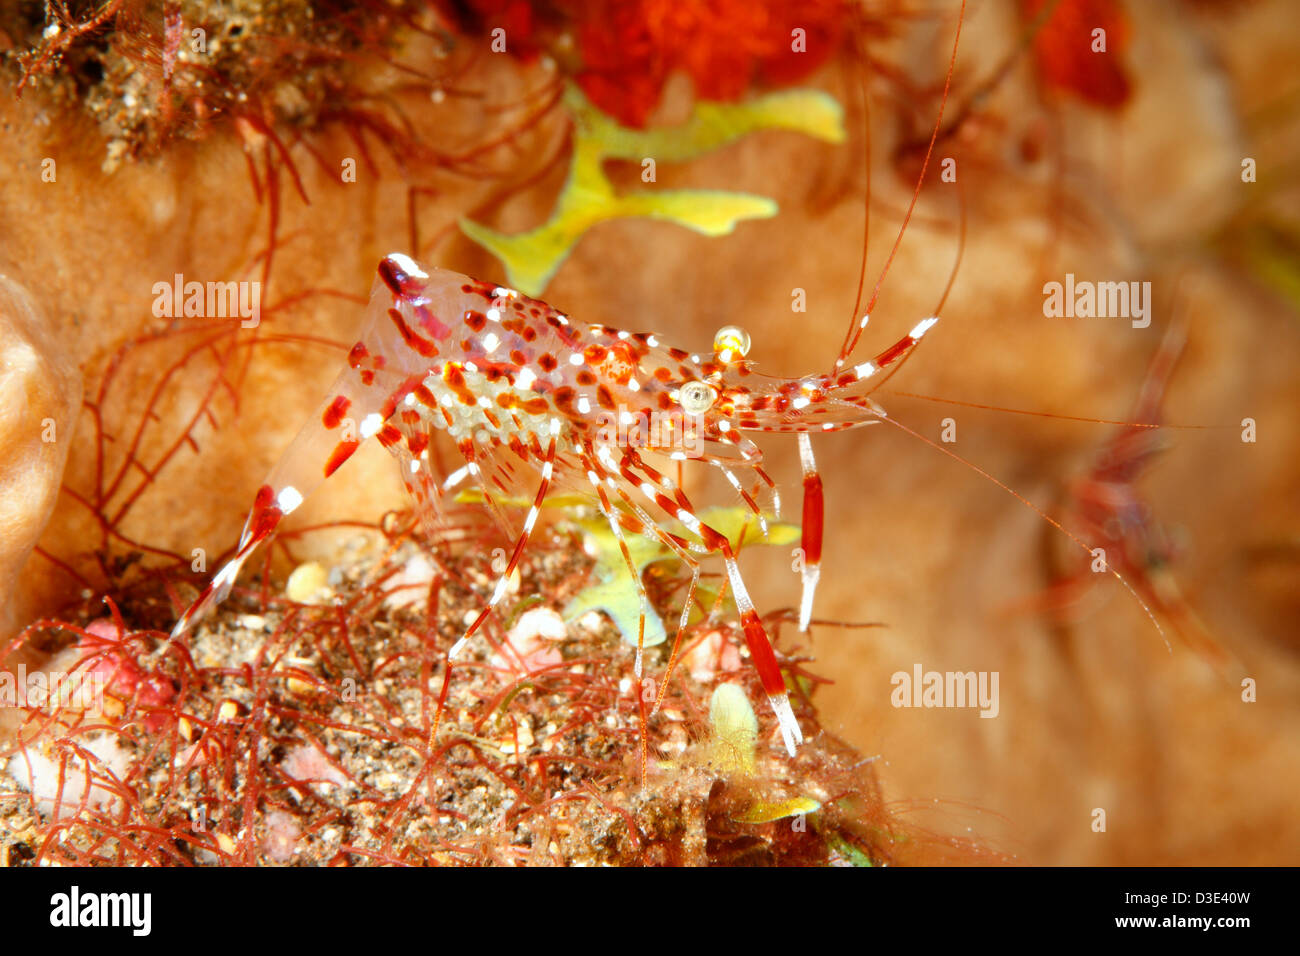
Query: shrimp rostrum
x=537 y=403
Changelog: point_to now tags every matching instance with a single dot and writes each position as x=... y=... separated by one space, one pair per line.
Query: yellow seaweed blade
x=532 y=258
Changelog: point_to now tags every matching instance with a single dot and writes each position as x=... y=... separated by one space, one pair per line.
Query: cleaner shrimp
x=528 y=397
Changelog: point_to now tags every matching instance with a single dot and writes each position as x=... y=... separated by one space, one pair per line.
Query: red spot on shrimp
x=357 y=355
x=547 y=362
x=895 y=350
x=429 y=322
x=455 y=378
x=335 y=411
x=537 y=406
x=413 y=339
x=564 y=397
x=265 y=515
x=392 y=275
x=619 y=363
x=475 y=320
x=341 y=453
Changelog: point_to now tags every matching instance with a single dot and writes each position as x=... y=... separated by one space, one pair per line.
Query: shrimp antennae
x=1041 y=513
x=814 y=503
x=855 y=328
x=1054 y=415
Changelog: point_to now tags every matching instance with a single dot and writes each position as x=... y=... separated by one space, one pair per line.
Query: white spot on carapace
x=494 y=314
x=526 y=378
x=490 y=342
x=370 y=425
x=651 y=341
x=410 y=399
x=801 y=402
x=576 y=358
x=415 y=465
x=865 y=320
x=633 y=385
x=865 y=370
x=724 y=426
x=584 y=405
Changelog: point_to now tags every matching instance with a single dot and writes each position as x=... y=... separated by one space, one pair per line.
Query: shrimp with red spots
x=536 y=402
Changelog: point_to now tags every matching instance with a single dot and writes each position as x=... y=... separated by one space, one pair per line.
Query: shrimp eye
x=731 y=342
x=697 y=397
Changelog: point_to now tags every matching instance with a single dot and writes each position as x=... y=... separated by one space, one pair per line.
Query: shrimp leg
x=498 y=592
x=356 y=408
x=813 y=516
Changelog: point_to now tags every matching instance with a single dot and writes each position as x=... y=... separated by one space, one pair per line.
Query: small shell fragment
x=308 y=584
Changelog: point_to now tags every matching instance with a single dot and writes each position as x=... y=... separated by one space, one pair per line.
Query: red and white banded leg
x=760 y=645
x=503 y=581
x=764 y=657
x=813 y=520
x=616 y=528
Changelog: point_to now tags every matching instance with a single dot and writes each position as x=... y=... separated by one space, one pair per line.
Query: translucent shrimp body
x=534 y=402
